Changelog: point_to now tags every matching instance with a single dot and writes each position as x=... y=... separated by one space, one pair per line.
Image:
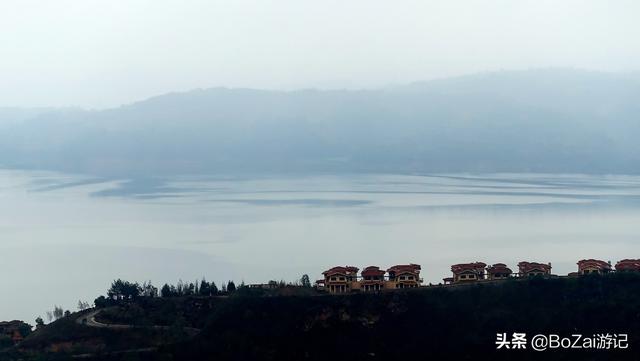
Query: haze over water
x=66 y=237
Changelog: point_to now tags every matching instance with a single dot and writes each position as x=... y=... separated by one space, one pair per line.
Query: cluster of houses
x=12 y=330
x=345 y=279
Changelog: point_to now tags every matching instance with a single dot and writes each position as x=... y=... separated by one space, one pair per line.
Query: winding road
x=89 y=320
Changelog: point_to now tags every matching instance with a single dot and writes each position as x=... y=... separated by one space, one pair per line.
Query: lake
x=64 y=238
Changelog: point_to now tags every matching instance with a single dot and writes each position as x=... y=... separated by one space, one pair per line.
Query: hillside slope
x=424 y=324
x=440 y=323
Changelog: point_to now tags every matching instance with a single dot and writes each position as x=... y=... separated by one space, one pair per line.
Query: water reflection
x=69 y=235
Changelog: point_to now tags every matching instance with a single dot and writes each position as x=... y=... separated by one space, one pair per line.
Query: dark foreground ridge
x=438 y=323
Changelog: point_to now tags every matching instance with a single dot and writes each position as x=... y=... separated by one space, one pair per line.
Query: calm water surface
x=64 y=237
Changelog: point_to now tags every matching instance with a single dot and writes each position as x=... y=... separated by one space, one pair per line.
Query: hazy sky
x=94 y=53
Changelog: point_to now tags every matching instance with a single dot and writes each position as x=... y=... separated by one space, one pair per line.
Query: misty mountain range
x=554 y=120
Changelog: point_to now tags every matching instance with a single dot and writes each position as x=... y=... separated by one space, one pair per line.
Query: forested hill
x=425 y=324
x=459 y=322
x=555 y=120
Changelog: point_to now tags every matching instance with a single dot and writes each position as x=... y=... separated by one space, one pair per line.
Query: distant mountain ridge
x=554 y=120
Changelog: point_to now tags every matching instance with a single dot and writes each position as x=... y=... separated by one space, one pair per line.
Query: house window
x=332 y=279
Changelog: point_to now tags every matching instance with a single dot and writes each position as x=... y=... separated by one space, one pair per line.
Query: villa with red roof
x=593 y=266
x=340 y=279
x=404 y=276
x=530 y=269
x=498 y=271
x=372 y=279
x=345 y=279
x=628 y=265
x=466 y=272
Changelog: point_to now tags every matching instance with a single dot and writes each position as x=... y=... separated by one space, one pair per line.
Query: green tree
x=231 y=287
x=123 y=290
x=101 y=302
x=39 y=322
x=188 y=289
x=205 y=288
x=180 y=288
x=305 y=281
x=148 y=290
x=83 y=305
x=58 y=312
x=25 y=329
x=165 y=291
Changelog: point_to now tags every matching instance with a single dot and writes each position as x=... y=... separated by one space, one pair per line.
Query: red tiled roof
x=468 y=267
x=410 y=268
x=628 y=265
x=526 y=267
x=341 y=270
x=602 y=265
x=372 y=271
x=499 y=268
